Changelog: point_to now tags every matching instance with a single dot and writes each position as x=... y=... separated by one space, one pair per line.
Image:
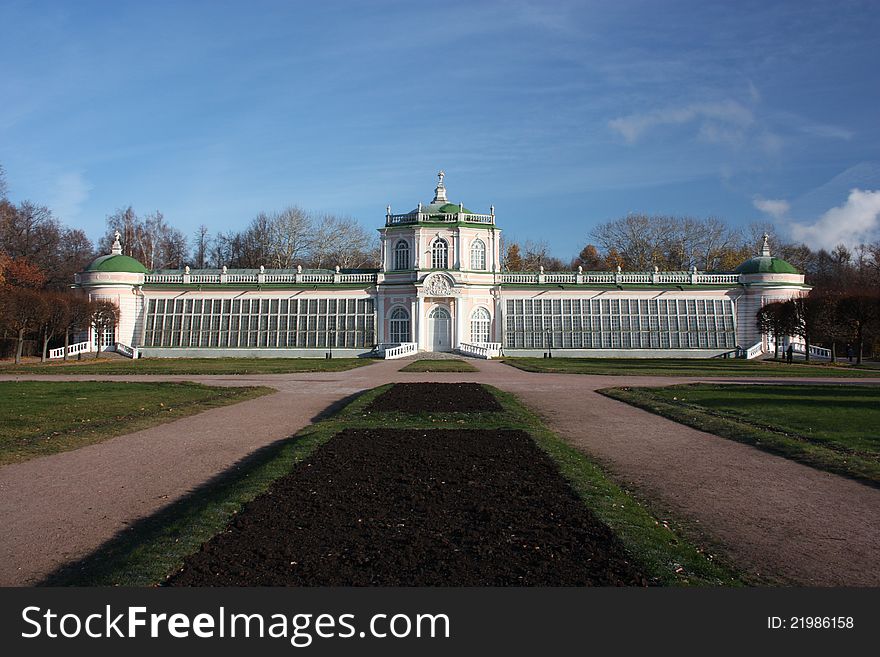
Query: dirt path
x=771 y=516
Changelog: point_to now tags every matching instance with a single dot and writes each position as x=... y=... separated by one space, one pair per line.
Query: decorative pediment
x=438 y=285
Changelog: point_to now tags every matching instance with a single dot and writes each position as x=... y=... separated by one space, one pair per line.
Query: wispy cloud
x=71 y=191
x=776 y=208
x=719 y=121
x=854 y=222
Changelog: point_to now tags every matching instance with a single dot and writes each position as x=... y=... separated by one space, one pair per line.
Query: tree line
x=277 y=240
x=39 y=257
x=843 y=308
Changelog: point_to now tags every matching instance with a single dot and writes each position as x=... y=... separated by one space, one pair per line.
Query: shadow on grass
x=180 y=528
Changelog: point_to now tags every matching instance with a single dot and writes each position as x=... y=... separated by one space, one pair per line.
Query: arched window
x=478 y=255
x=399 y=326
x=401 y=255
x=481 y=325
x=439 y=254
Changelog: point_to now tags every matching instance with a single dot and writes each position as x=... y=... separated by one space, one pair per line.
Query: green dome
x=766 y=265
x=117 y=263
x=443 y=208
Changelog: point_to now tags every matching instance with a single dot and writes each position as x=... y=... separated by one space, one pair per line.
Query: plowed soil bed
x=416 y=508
x=436 y=398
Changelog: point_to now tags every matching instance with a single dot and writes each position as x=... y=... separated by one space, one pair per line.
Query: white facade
x=439 y=288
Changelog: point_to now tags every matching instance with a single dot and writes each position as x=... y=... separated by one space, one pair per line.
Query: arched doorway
x=439 y=330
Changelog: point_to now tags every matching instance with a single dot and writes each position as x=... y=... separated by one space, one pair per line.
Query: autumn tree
x=56 y=319
x=22 y=311
x=589 y=259
x=18 y=272
x=513 y=260
x=31 y=233
x=79 y=310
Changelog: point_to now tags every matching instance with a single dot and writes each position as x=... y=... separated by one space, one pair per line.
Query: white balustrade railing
x=125 y=350
x=241 y=278
x=419 y=217
x=755 y=350
x=357 y=278
x=801 y=348
x=514 y=278
x=399 y=350
x=473 y=350
x=560 y=278
x=204 y=278
x=620 y=278
x=266 y=277
x=163 y=278
x=72 y=350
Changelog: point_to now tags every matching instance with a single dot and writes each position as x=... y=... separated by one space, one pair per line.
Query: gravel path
x=770 y=516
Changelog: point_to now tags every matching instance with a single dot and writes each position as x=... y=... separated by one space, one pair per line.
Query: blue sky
x=561 y=114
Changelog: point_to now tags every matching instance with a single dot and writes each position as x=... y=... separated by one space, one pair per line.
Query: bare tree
x=342 y=241
x=290 y=236
x=201 y=247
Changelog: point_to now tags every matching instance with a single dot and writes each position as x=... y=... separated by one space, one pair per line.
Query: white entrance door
x=438 y=330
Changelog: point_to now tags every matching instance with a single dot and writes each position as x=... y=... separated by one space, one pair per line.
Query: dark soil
x=436 y=398
x=416 y=508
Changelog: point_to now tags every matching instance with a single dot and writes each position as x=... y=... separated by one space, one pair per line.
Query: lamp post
x=549 y=335
x=330 y=343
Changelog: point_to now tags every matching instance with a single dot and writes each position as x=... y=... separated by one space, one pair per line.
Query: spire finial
x=440 y=190
x=116 y=249
x=765 y=245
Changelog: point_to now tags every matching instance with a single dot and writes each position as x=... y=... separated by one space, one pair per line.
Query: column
x=420 y=311
x=380 y=318
x=460 y=314
x=413 y=322
x=498 y=320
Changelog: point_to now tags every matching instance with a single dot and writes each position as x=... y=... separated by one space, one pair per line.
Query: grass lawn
x=148 y=551
x=188 y=366
x=830 y=427
x=448 y=365
x=44 y=417
x=685 y=367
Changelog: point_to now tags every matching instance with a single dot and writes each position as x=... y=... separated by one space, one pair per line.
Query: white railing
x=125 y=350
x=163 y=278
x=519 y=278
x=819 y=352
x=267 y=277
x=279 y=278
x=398 y=350
x=717 y=279
x=485 y=350
x=755 y=350
x=560 y=278
x=418 y=217
x=620 y=278
x=357 y=278
x=72 y=350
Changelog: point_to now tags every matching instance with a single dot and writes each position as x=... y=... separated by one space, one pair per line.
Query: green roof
x=766 y=265
x=117 y=263
x=442 y=208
